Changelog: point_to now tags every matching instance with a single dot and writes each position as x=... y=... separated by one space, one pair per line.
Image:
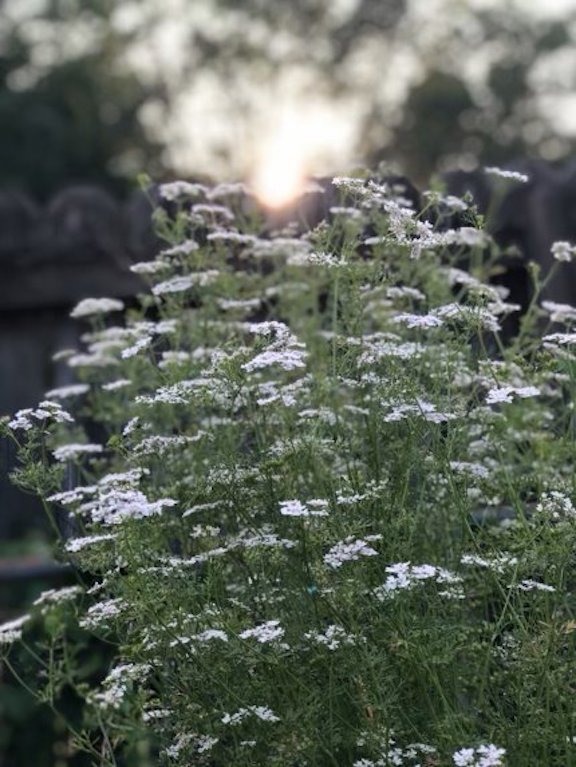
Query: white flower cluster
x=418 y=320
x=377 y=349
x=57 y=596
x=421 y=409
x=150 y=267
x=405 y=292
x=448 y=201
x=317 y=507
x=174 y=190
x=185 y=282
x=266 y=632
x=280 y=247
x=63 y=392
x=101 y=613
x=563 y=251
x=263 y=713
x=117 y=683
x=316 y=258
x=46 y=411
x=183 y=248
x=476 y=470
x=120 y=383
x=157 y=444
x=284 y=350
x=510 y=175
x=332 y=637
x=74 y=545
x=199 y=743
x=350 y=550
x=557 y=506
x=506 y=394
x=393 y=754
x=117 y=506
x=11 y=631
x=530 y=585
x=564 y=313
x=89 y=307
x=404 y=576
x=497 y=564
x=210 y=213
x=73 y=451
x=482 y=756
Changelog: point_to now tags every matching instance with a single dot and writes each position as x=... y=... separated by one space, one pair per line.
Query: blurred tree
x=491 y=89
x=99 y=90
x=69 y=108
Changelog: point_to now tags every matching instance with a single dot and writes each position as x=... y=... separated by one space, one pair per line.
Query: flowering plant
x=327 y=517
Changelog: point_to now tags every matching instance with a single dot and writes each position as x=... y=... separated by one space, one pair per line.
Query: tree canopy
x=98 y=91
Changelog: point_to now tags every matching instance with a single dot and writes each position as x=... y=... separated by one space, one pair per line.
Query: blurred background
x=95 y=92
x=99 y=91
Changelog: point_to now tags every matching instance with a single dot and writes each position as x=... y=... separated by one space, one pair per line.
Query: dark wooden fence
x=80 y=245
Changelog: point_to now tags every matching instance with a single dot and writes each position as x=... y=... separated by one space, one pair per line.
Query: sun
x=304 y=140
x=281 y=165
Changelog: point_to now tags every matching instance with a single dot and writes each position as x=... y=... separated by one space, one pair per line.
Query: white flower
x=349 y=183
x=287 y=359
x=563 y=251
x=230 y=235
x=182 y=249
x=405 y=292
x=472 y=469
x=115 y=685
x=350 y=550
x=562 y=339
x=316 y=259
x=100 y=613
x=559 y=312
x=530 y=585
x=73 y=545
x=262 y=712
x=332 y=637
x=116 y=506
x=227 y=189
x=404 y=576
x=465 y=235
x=71 y=452
x=149 y=267
x=266 y=632
x=46 y=411
x=120 y=383
x=482 y=756
x=63 y=392
x=176 y=189
x=183 y=283
x=55 y=596
x=498 y=563
x=505 y=394
x=91 y=306
x=210 y=211
x=511 y=175
x=208 y=635
x=418 y=320
x=295 y=508
x=556 y=506
x=12 y=630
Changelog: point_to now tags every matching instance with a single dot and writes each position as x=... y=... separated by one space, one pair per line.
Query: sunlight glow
x=301 y=143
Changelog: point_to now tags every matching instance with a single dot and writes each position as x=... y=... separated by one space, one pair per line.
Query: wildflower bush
x=320 y=510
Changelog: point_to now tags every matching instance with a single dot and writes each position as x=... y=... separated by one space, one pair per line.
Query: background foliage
x=98 y=91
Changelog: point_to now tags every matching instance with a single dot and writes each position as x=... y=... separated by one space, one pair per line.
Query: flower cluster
x=322 y=513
